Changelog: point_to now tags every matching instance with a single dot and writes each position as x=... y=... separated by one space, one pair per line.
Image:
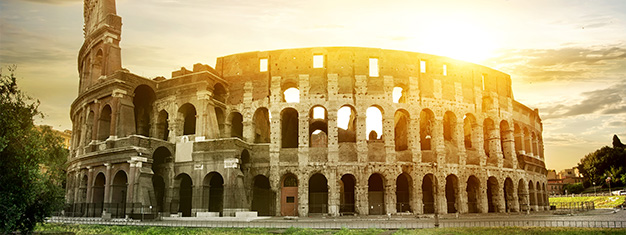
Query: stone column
x=361 y=142
x=108 y=182
x=303 y=195
x=460 y=141
x=462 y=205
x=388 y=136
x=418 y=196
x=90 y=183
x=437 y=141
x=390 y=195
x=441 y=206
x=333 y=136
x=333 y=193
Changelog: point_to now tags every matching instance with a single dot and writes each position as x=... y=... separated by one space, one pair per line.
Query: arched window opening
x=318 y=194
x=428 y=195
x=98 y=191
x=143 y=101
x=188 y=113
x=219 y=93
x=427 y=119
x=163 y=131
x=468 y=124
x=185 y=194
x=473 y=194
x=492 y=194
x=346 y=123
x=104 y=123
x=118 y=194
x=490 y=137
x=399 y=95
x=89 y=127
x=236 y=125
x=262 y=196
x=318 y=127
x=213 y=191
x=289 y=128
x=376 y=194
x=509 y=195
x=401 y=130
x=518 y=138
x=291 y=95
x=374 y=123
x=452 y=190
x=346 y=194
x=527 y=142
x=161 y=157
x=261 y=121
x=403 y=193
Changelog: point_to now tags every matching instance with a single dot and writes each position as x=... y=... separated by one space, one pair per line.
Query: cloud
x=611 y=100
x=55 y=2
x=607 y=63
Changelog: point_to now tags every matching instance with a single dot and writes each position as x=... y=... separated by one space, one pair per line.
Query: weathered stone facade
x=231 y=138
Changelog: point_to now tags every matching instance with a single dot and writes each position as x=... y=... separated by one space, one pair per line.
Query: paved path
x=594 y=218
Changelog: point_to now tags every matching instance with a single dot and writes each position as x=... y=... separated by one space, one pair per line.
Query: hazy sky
x=567 y=58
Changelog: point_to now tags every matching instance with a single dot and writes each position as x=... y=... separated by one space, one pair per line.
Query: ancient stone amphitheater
x=298 y=132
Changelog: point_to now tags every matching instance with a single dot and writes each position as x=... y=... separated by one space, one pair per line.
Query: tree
x=604 y=162
x=31 y=165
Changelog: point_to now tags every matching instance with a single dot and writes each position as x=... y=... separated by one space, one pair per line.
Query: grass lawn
x=599 y=202
x=103 y=229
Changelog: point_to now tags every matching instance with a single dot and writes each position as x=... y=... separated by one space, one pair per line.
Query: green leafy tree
x=31 y=162
x=574 y=188
x=604 y=162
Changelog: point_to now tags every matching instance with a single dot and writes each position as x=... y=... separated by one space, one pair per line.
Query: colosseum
x=298 y=132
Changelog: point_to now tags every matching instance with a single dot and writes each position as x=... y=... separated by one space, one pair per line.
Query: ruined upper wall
x=348 y=62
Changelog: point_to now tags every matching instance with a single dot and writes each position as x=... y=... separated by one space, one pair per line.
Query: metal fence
x=575 y=206
x=351 y=224
x=599 y=194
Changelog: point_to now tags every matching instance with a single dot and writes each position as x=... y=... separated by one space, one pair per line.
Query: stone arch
x=452 y=193
x=289 y=128
x=473 y=194
x=289 y=195
x=160 y=160
x=188 y=113
x=492 y=194
x=318 y=127
x=532 y=195
x=104 y=123
x=401 y=130
x=506 y=143
x=509 y=195
x=404 y=192
x=98 y=190
x=219 y=93
x=261 y=121
x=522 y=194
x=290 y=91
x=374 y=122
x=236 y=125
x=213 y=191
x=262 y=196
x=450 y=137
x=185 y=194
x=347 y=199
x=490 y=140
x=346 y=123
x=119 y=190
x=91 y=119
x=318 y=194
x=163 y=131
x=400 y=94
x=143 y=100
x=376 y=194
x=428 y=193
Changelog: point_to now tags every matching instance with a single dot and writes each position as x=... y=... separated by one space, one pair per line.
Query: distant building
x=557 y=181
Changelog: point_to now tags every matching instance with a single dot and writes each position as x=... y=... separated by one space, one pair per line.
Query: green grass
x=104 y=229
x=599 y=202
